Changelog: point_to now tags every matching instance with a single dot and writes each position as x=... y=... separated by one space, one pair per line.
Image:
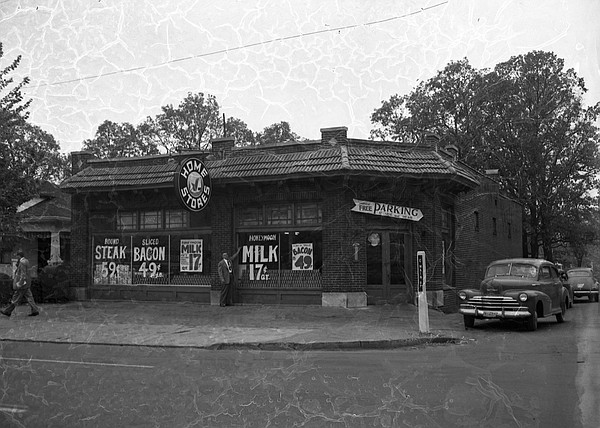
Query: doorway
x=388 y=267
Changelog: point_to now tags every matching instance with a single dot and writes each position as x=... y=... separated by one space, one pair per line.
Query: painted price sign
x=150 y=256
x=190 y=255
x=260 y=254
x=111 y=259
x=302 y=256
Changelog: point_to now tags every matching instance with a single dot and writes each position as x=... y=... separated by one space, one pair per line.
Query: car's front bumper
x=585 y=293
x=520 y=312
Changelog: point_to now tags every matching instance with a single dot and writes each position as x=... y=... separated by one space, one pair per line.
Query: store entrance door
x=388 y=266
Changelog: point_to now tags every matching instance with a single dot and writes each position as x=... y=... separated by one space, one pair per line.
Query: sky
x=313 y=63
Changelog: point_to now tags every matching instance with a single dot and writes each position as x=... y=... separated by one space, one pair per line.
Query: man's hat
x=20 y=253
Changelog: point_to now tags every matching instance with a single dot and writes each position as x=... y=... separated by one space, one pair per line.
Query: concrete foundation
x=215 y=297
x=345 y=300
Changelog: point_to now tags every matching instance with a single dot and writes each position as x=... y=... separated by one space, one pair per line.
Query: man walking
x=21 y=287
x=227 y=278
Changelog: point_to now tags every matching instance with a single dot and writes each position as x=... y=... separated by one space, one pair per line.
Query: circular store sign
x=192 y=183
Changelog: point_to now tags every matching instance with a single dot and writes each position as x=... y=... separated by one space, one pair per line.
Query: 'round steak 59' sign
x=192 y=183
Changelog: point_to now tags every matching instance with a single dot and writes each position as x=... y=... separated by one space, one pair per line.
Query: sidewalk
x=234 y=327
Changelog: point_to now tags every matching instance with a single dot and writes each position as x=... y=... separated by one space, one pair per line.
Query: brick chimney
x=333 y=136
x=222 y=147
x=79 y=161
x=431 y=139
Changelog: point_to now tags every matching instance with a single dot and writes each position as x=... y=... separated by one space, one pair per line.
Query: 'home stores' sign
x=387 y=210
x=192 y=183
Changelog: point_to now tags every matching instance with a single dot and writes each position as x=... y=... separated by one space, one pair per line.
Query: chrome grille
x=493 y=303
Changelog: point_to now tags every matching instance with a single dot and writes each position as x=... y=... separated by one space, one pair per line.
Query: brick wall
x=478 y=244
x=222 y=231
x=80 y=242
x=341 y=273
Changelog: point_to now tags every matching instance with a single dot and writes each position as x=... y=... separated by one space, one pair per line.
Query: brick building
x=336 y=221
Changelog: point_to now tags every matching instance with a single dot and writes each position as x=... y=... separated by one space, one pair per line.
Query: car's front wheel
x=469 y=321
x=531 y=322
x=560 y=317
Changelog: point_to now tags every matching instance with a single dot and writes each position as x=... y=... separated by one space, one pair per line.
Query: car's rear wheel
x=469 y=321
x=531 y=322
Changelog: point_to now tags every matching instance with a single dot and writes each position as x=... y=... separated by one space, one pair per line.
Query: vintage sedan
x=519 y=289
x=583 y=283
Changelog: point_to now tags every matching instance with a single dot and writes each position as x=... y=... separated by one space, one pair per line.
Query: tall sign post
x=422 y=293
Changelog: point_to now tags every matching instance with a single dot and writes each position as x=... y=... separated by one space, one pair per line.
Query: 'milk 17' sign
x=387 y=210
x=192 y=183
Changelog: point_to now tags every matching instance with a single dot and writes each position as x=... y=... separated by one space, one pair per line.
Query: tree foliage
x=114 y=140
x=238 y=129
x=524 y=117
x=191 y=125
x=28 y=154
x=276 y=133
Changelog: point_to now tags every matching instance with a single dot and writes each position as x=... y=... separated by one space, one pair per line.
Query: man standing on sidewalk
x=227 y=278
x=21 y=287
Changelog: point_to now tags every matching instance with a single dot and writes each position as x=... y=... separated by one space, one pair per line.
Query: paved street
x=497 y=375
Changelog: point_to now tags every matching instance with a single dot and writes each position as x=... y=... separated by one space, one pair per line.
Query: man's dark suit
x=227 y=277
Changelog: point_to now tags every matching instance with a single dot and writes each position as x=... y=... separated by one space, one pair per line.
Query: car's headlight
x=523 y=297
x=462 y=295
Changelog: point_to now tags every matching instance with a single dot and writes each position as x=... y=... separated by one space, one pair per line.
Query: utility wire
x=237 y=48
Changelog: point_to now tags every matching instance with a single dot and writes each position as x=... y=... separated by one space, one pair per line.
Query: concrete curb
x=273 y=346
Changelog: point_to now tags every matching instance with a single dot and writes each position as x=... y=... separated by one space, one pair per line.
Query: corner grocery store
x=336 y=221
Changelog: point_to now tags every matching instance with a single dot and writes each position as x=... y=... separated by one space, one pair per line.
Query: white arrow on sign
x=387 y=210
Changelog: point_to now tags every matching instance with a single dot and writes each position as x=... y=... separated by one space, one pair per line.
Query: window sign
x=260 y=255
x=302 y=256
x=190 y=255
x=150 y=256
x=111 y=260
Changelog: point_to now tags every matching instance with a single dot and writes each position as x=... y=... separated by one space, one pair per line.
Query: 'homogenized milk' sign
x=387 y=210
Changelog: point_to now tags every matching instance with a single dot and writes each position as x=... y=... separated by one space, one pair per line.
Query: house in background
x=45 y=231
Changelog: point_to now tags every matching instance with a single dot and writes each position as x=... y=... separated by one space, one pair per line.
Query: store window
x=280 y=259
x=151 y=259
x=250 y=216
x=302 y=214
x=279 y=214
x=308 y=213
x=177 y=219
x=127 y=221
x=150 y=220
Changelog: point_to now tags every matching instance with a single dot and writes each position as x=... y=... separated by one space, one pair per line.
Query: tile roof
x=265 y=165
x=52 y=204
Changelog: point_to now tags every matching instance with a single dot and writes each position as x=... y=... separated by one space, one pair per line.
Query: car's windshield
x=579 y=273
x=512 y=269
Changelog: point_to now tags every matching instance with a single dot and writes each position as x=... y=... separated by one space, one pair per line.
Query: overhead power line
x=234 y=49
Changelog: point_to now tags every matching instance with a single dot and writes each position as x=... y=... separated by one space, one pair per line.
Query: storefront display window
x=127 y=221
x=177 y=219
x=279 y=214
x=308 y=213
x=150 y=220
x=250 y=216
x=280 y=259
x=151 y=259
